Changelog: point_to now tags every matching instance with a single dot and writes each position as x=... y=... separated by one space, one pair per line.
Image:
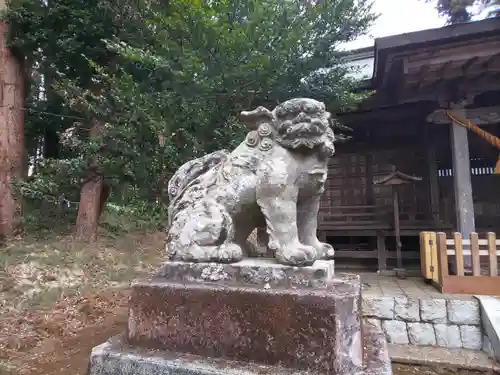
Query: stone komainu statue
x=270 y=183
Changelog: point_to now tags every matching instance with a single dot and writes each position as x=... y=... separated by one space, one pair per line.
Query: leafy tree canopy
x=165 y=79
x=458 y=11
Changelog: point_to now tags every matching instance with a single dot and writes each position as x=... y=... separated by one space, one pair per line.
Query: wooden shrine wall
x=352 y=201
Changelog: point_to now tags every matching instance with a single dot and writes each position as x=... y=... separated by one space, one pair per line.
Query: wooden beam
x=471 y=285
x=420 y=77
x=445 y=90
x=479 y=116
x=448 y=90
x=356 y=254
x=468 y=64
x=446 y=84
x=373 y=254
x=443 y=56
x=442 y=70
x=431 y=81
x=402 y=113
x=350 y=232
x=456 y=49
x=411 y=255
x=490 y=61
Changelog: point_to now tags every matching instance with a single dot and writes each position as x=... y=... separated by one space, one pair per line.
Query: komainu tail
x=188 y=172
x=191 y=170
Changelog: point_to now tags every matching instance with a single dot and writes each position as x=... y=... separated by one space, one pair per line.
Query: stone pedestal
x=251 y=317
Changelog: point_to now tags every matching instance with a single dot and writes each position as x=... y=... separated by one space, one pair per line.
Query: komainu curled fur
x=270 y=184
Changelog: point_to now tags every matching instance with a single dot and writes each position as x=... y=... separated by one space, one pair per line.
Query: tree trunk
x=105 y=193
x=90 y=207
x=93 y=196
x=11 y=135
x=87 y=221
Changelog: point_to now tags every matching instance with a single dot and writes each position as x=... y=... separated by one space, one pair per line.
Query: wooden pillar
x=464 y=204
x=433 y=177
x=381 y=252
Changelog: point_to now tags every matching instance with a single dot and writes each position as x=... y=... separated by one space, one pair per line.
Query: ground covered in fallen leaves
x=60 y=298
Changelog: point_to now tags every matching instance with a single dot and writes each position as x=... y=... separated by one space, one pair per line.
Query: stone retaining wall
x=450 y=323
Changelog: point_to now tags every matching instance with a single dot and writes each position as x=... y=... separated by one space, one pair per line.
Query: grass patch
x=35 y=271
x=53 y=286
x=6 y=368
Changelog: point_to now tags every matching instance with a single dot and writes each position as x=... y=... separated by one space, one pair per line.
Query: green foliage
x=136 y=88
x=50 y=203
x=458 y=11
x=209 y=60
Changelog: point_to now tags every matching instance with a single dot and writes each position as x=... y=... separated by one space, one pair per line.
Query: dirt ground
x=70 y=356
x=59 y=299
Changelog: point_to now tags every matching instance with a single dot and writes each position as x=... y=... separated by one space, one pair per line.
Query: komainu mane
x=271 y=183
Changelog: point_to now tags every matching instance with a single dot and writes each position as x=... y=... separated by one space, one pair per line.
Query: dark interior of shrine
x=356 y=216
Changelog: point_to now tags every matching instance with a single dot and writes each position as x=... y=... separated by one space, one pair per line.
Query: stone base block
x=376 y=360
x=114 y=357
x=297 y=318
x=253 y=271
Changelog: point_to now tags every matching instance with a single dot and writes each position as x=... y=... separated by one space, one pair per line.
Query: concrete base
x=251 y=317
x=490 y=318
x=116 y=358
x=262 y=312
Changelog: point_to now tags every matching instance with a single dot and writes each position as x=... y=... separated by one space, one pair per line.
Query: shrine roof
x=433 y=65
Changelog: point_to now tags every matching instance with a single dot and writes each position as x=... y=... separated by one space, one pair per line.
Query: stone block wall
x=450 y=323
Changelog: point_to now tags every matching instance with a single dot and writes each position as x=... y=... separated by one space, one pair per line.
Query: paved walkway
x=449 y=358
x=375 y=285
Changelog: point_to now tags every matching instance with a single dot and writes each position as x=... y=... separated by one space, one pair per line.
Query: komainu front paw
x=225 y=253
x=297 y=254
x=325 y=250
x=229 y=253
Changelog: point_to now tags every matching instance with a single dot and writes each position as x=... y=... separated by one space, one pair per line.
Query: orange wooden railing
x=442 y=263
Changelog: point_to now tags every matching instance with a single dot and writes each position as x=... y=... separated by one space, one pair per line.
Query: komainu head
x=296 y=123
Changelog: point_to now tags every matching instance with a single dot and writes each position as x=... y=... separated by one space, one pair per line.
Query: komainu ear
x=256 y=117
